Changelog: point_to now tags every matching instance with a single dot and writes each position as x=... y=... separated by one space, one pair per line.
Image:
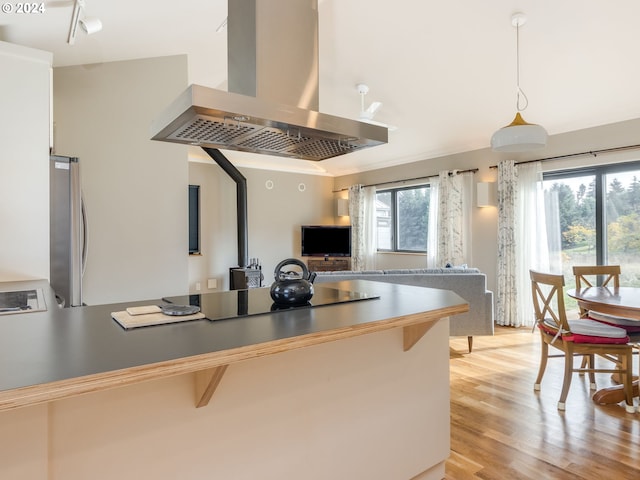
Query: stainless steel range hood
x=213 y=118
x=271 y=107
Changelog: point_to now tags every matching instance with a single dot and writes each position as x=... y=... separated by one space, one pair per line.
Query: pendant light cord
x=519 y=91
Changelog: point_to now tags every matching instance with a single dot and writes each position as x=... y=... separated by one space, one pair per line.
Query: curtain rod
x=451 y=173
x=591 y=152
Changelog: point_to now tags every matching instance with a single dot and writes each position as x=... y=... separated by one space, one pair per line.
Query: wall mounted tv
x=326 y=240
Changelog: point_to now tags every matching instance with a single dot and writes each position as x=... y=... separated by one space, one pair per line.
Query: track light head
x=91 y=25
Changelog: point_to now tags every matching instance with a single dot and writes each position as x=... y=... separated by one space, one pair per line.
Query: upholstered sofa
x=469 y=283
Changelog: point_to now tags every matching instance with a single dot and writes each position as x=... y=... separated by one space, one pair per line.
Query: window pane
x=413 y=215
x=623 y=224
x=570 y=203
x=384 y=221
x=194 y=219
x=570 y=211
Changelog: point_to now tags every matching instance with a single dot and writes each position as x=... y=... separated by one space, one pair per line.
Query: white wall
x=135 y=189
x=274 y=217
x=24 y=162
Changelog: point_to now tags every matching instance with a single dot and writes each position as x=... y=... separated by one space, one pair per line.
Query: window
x=402 y=217
x=598 y=213
x=194 y=219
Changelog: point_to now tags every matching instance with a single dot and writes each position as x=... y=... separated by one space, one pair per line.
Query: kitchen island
x=352 y=390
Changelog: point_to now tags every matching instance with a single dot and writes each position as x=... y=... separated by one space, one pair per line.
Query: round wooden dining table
x=621 y=302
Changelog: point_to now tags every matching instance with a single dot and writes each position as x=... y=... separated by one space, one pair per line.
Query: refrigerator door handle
x=85 y=233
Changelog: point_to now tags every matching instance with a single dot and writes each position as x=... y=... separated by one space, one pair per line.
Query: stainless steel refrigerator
x=68 y=230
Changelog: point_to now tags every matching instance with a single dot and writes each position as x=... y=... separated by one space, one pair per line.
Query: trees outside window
x=598 y=214
x=623 y=223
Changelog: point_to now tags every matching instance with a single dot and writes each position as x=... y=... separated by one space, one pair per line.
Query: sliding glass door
x=593 y=217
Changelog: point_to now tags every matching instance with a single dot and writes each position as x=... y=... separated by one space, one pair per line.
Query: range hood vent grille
x=203 y=130
x=250 y=138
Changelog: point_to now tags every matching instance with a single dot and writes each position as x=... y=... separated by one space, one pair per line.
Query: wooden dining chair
x=580 y=337
x=586 y=275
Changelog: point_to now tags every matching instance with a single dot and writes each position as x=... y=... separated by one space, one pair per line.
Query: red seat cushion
x=598 y=331
x=577 y=338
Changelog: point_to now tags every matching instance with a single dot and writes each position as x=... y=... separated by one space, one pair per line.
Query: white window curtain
x=507 y=292
x=362 y=212
x=454 y=194
x=522 y=240
x=554 y=232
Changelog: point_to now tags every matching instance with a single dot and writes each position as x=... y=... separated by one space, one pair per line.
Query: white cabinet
x=25 y=122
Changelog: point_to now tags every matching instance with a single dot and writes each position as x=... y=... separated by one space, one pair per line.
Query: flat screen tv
x=326 y=240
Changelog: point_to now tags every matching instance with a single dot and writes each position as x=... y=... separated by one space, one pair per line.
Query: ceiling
x=445 y=71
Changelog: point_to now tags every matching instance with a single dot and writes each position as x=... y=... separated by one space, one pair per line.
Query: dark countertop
x=65 y=344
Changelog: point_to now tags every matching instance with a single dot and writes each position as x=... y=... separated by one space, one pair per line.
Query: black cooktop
x=256 y=301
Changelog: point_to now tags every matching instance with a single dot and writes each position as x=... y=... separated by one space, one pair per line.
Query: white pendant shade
x=519 y=136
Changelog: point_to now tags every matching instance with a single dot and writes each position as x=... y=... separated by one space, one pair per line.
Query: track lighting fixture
x=89 y=25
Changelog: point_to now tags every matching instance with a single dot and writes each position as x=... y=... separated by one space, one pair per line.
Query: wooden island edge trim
x=48 y=392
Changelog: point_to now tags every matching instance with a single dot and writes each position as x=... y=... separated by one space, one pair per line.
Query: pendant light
x=519 y=136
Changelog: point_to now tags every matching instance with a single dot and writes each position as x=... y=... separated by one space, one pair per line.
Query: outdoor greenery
x=577 y=215
x=413 y=219
x=577 y=219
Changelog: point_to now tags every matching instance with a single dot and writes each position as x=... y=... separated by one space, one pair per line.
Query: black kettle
x=292 y=288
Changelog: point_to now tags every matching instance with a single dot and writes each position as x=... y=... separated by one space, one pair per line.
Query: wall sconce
x=486 y=194
x=343 y=207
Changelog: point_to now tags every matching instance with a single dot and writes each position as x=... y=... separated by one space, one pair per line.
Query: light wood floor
x=502 y=429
